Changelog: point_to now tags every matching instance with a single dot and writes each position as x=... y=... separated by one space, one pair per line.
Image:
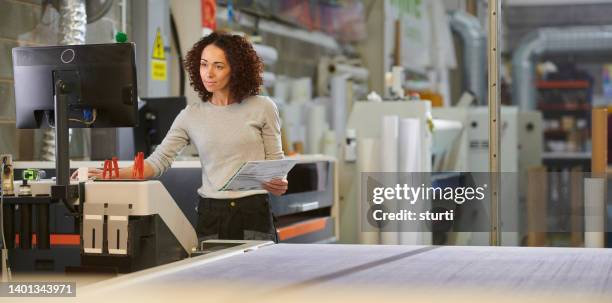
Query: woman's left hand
x=276 y=187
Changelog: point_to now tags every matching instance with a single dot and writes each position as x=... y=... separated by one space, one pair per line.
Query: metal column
x=494 y=123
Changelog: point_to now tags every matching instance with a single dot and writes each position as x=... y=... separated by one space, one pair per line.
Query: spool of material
x=409 y=134
x=316 y=127
x=599 y=137
x=409 y=158
x=301 y=90
x=537 y=195
x=594 y=190
x=292 y=114
x=367 y=161
x=397 y=73
x=389 y=144
x=594 y=206
x=282 y=87
x=329 y=144
x=339 y=99
x=292 y=121
x=389 y=165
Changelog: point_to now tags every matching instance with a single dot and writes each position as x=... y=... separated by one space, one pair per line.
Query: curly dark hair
x=246 y=66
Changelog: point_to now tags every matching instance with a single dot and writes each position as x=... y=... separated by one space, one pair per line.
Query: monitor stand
x=67 y=90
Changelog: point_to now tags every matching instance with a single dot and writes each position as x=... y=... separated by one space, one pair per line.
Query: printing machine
x=307 y=212
x=132 y=225
x=129 y=226
x=124 y=226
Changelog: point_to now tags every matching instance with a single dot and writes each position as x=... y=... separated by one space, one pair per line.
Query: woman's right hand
x=92 y=172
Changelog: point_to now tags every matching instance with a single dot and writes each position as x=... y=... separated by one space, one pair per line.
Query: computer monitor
x=92 y=85
x=102 y=79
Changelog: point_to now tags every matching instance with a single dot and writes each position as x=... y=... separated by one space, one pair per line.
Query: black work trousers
x=247 y=218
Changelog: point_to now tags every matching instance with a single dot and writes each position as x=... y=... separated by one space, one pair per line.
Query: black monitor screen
x=102 y=79
x=155 y=119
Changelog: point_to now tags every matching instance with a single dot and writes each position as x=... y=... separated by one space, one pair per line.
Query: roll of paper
x=282 y=87
x=389 y=165
x=409 y=156
x=397 y=73
x=594 y=210
x=301 y=90
x=389 y=144
x=367 y=161
x=339 y=101
x=330 y=147
x=315 y=128
x=409 y=145
x=292 y=121
x=599 y=137
x=292 y=114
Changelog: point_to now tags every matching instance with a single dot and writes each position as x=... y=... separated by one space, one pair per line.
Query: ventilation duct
x=474 y=53
x=72 y=30
x=73 y=22
x=551 y=41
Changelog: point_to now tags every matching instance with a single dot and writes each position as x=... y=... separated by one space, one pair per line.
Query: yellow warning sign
x=158 y=70
x=158 y=47
x=158 y=63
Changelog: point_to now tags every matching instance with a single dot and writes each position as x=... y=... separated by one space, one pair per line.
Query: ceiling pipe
x=575 y=40
x=474 y=53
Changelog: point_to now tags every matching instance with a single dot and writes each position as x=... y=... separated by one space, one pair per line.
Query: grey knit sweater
x=225 y=137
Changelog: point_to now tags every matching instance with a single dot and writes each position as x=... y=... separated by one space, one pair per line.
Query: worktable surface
x=282 y=268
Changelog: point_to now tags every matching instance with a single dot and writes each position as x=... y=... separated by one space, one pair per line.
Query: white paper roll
x=301 y=90
x=389 y=164
x=339 y=101
x=292 y=114
x=367 y=161
x=397 y=73
x=410 y=161
x=409 y=145
x=389 y=144
x=282 y=87
x=315 y=128
x=594 y=210
x=330 y=147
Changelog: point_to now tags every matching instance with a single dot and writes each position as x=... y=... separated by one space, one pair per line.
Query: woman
x=231 y=125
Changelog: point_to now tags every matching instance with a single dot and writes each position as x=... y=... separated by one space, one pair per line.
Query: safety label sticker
x=158 y=62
